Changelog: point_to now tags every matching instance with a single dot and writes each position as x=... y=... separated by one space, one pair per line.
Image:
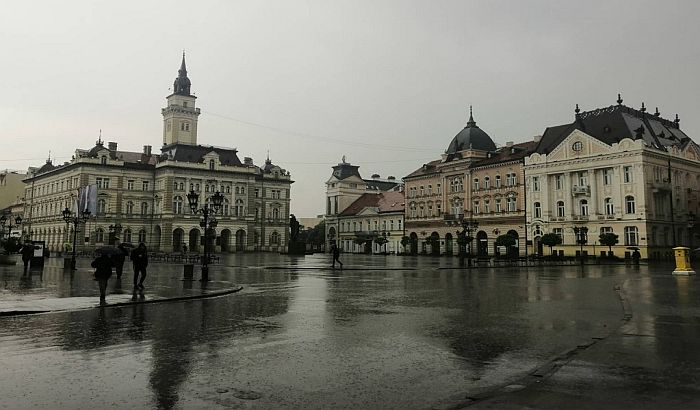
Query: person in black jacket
x=27 y=253
x=103 y=271
x=119 y=259
x=139 y=257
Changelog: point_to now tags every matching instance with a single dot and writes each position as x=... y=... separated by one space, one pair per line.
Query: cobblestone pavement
x=386 y=332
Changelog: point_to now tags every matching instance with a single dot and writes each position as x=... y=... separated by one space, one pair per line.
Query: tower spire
x=471 y=122
x=182 y=84
x=619 y=99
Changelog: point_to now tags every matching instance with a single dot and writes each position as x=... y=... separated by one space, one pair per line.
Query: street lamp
x=76 y=220
x=581 y=238
x=464 y=238
x=210 y=208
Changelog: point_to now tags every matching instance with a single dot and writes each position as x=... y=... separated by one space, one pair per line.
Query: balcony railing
x=581 y=189
x=453 y=217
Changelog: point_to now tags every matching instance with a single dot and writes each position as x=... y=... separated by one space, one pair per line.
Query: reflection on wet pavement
x=307 y=336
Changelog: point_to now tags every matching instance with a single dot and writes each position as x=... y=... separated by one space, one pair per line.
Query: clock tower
x=180 y=116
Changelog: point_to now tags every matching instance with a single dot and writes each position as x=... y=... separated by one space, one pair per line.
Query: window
x=578 y=146
x=560 y=232
x=142 y=236
x=102 y=182
x=101 y=206
x=127 y=236
x=560 y=209
x=632 y=235
x=275 y=213
x=476 y=207
x=510 y=203
x=129 y=207
x=583 y=207
x=487 y=182
x=536 y=184
x=239 y=207
x=184 y=104
x=439 y=188
x=583 y=178
x=211 y=164
x=184 y=126
x=103 y=160
x=629 y=204
x=538 y=210
x=607 y=176
x=130 y=185
x=511 y=179
x=438 y=208
x=558 y=182
x=413 y=210
x=274 y=238
x=430 y=189
x=609 y=206
x=144 y=208
x=206 y=188
x=498 y=181
x=228 y=190
x=430 y=209
x=422 y=190
x=606 y=229
x=177 y=205
x=627 y=174
x=99 y=235
x=476 y=184
x=498 y=205
x=487 y=206
x=257 y=192
x=145 y=185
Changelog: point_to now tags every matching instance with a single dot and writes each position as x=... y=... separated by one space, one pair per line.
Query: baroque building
x=615 y=170
x=146 y=193
x=362 y=210
x=473 y=181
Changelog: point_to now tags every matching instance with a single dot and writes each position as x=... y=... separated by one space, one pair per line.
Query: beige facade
x=11 y=188
x=373 y=224
x=643 y=186
x=146 y=194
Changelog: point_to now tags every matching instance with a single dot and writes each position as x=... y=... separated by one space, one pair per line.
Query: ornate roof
x=471 y=137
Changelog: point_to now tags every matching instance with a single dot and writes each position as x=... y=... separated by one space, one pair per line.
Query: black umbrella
x=108 y=250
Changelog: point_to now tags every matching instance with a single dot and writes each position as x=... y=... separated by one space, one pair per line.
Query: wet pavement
x=389 y=332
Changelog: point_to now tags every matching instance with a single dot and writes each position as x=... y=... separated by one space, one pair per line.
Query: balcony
x=581 y=189
x=453 y=217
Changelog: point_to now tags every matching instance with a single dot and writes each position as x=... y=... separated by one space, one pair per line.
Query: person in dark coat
x=119 y=259
x=139 y=257
x=27 y=252
x=103 y=271
x=336 y=254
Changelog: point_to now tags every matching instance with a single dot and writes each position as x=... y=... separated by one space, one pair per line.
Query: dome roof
x=471 y=137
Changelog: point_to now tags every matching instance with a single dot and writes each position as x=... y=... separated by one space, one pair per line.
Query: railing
x=581 y=189
x=453 y=217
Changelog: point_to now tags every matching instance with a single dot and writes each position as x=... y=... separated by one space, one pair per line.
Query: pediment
x=369 y=211
x=578 y=144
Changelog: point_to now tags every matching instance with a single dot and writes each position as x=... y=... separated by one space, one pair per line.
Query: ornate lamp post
x=76 y=220
x=208 y=210
x=464 y=238
x=581 y=238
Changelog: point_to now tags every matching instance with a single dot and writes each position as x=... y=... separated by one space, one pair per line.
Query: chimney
x=147 y=150
x=248 y=161
x=375 y=176
x=112 y=146
x=391 y=178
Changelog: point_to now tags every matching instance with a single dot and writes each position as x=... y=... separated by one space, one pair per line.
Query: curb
x=129 y=303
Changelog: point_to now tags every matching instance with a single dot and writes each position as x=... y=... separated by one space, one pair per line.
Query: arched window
x=487 y=206
x=538 y=210
x=498 y=181
x=560 y=209
x=629 y=204
x=211 y=164
x=487 y=182
x=609 y=206
x=239 y=207
x=142 y=236
x=413 y=209
x=583 y=207
x=476 y=207
x=225 y=207
x=177 y=205
x=631 y=235
x=99 y=235
x=275 y=213
x=476 y=184
x=127 y=236
x=274 y=238
x=103 y=160
x=101 y=206
x=129 y=207
x=457 y=206
x=144 y=208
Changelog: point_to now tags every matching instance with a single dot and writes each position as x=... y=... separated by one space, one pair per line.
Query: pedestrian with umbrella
x=103 y=271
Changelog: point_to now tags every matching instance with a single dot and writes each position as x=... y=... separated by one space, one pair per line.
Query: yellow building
x=146 y=193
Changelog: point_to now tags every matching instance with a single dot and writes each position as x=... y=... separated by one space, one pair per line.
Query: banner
x=87 y=200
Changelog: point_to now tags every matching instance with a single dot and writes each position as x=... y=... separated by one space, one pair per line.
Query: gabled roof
x=612 y=124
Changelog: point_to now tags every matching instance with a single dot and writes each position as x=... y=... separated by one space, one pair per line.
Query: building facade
x=343 y=189
x=614 y=170
x=11 y=188
x=146 y=194
x=372 y=224
x=473 y=181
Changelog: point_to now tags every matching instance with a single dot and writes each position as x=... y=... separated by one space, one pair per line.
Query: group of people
x=104 y=262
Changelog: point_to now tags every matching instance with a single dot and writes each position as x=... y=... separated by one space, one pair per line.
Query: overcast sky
x=386 y=83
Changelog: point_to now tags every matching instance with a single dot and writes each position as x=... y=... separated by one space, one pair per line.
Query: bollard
x=683 y=267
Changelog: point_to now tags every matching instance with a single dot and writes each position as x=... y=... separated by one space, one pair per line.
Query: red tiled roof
x=385 y=202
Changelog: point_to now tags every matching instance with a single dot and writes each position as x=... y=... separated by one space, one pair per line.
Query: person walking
x=119 y=259
x=139 y=257
x=103 y=271
x=27 y=252
x=336 y=254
